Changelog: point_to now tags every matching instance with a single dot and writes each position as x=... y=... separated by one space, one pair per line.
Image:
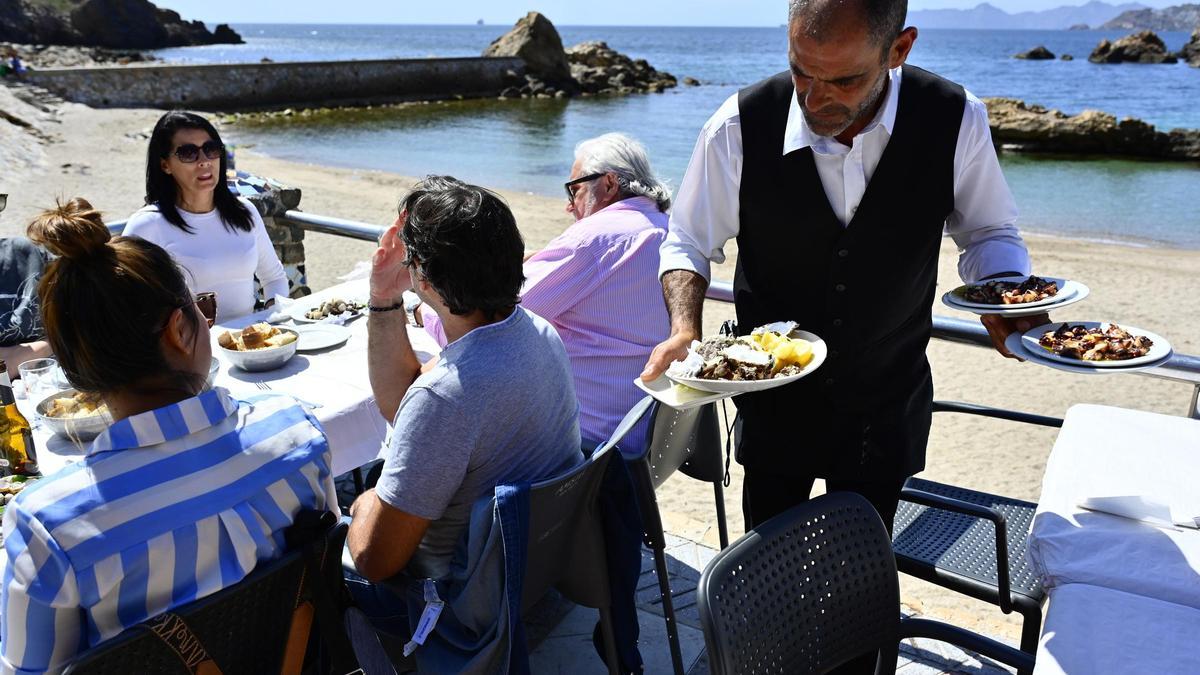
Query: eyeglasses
x=572 y=183
x=3 y=201
x=190 y=152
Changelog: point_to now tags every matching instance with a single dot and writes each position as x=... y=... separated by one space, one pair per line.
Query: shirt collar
x=797 y=135
x=168 y=423
x=639 y=203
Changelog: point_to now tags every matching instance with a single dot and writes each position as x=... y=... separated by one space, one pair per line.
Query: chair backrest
x=685 y=440
x=244 y=627
x=806 y=591
x=566 y=540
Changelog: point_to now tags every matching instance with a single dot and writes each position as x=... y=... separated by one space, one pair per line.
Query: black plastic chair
x=941 y=534
x=688 y=441
x=812 y=589
x=245 y=628
x=566 y=548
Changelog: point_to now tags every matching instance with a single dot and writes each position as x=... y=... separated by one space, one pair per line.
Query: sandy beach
x=100 y=155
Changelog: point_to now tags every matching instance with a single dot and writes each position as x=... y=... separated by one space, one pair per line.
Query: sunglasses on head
x=190 y=152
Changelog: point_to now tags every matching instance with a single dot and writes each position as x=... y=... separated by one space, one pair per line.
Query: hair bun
x=73 y=230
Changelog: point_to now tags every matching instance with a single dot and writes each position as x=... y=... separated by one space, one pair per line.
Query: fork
x=262 y=385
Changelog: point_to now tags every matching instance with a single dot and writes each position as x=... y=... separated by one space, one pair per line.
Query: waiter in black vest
x=838 y=179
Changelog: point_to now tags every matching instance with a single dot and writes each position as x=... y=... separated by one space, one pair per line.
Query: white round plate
x=1074 y=292
x=1065 y=290
x=317 y=336
x=1158 y=351
x=302 y=308
x=1017 y=347
x=819 y=350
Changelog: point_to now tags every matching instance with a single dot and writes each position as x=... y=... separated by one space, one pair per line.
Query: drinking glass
x=40 y=377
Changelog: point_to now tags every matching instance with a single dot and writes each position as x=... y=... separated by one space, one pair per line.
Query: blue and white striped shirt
x=168 y=506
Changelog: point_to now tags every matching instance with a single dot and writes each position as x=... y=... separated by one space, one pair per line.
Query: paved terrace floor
x=560 y=632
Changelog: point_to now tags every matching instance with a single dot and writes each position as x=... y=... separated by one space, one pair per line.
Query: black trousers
x=766 y=494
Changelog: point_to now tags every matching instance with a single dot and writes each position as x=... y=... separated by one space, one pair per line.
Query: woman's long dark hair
x=161 y=190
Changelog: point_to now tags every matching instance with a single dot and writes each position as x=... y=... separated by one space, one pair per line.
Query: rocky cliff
x=118 y=24
x=1177 y=18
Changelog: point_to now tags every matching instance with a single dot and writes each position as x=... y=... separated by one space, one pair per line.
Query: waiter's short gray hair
x=884 y=18
x=624 y=156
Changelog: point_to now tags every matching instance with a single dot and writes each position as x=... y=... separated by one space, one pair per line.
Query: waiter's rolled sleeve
x=983 y=223
x=705 y=214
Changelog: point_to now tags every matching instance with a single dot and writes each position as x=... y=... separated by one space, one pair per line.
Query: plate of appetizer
x=771 y=356
x=258 y=347
x=1016 y=296
x=1096 y=344
x=334 y=310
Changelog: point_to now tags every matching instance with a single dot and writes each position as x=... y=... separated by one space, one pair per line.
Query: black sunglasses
x=190 y=152
x=572 y=183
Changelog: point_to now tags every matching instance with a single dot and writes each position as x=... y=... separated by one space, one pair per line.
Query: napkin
x=1143 y=509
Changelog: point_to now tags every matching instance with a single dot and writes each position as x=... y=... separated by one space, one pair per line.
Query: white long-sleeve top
x=215 y=258
x=704 y=215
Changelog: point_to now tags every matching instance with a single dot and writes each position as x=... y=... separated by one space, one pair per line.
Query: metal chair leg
x=722 y=528
x=664 y=591
x=610 y=642
x=1031 y=632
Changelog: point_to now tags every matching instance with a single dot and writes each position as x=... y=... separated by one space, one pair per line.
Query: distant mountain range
x=984 y=15
x=1180 y=17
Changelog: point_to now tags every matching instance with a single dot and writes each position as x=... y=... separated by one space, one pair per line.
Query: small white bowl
x=268 y=358
x=75 y=428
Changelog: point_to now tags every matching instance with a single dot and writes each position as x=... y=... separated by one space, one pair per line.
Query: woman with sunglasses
x=218 y=238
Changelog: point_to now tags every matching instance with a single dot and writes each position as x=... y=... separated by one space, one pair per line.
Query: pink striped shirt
x=597 y=284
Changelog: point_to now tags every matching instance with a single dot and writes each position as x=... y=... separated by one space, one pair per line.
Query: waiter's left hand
x=999 y=328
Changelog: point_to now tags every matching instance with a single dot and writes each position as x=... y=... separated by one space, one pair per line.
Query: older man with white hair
x=597 y=282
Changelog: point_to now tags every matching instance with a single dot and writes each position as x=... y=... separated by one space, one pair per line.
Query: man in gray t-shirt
x=498 y=407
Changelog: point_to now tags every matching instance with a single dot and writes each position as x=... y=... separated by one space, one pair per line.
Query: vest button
x=839 y=288
x=833 y=354
x=843 y=253
x=837 y=323
x=829 y=381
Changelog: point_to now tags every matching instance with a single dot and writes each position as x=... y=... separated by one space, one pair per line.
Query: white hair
x=625 y=157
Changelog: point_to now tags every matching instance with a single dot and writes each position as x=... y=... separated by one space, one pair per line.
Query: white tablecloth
x=1099 y=631
x=1108 y=452
x=335 y=379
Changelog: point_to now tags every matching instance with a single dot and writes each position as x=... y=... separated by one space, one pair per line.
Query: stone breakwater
x=1019 y=126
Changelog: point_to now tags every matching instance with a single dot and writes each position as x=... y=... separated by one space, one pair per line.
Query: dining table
x=332 y=382
x=1115 y=542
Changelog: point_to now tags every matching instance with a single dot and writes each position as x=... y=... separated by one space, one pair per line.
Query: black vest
x=866 y=288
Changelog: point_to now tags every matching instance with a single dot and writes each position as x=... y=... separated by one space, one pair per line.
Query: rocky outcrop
x=55 y=56
x=1177 y=18
x=1191 y=51
x=587 y=68
x=1079 y=26
x=1038 y=53
x=1067 y=57
x=535 y=40
x=119 y=24
x=1141 y=47
x=599 y=69
x=1032 y=128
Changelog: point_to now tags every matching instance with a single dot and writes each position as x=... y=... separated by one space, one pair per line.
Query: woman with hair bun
x=186 y=491
x=218 y=238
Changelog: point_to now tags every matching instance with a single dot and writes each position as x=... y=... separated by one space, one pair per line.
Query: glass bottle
x=16 y=436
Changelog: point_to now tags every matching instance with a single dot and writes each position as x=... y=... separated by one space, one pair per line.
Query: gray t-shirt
x=499 y=407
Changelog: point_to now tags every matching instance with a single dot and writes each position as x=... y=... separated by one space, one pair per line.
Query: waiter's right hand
x=670 y=350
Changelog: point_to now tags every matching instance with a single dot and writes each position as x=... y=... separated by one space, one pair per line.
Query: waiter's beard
x=835 y=119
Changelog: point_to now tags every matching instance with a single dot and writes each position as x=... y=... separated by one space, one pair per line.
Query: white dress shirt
x=705 y=212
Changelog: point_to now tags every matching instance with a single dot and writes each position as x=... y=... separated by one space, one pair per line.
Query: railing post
x=1194 y=413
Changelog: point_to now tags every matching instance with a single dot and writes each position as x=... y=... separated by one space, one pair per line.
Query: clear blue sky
x=566 y=12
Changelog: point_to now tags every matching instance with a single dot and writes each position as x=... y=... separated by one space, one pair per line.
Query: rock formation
x=55 y=56
x=1142 y=47
x=1067 y=57
x=600 y=69
x=1191 y=51
x=1032 y=128
x=535 y=40
x=587 y=68
x=118 y=24
x=1038 y=53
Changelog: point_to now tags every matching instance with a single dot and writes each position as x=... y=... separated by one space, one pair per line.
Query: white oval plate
x=317 y=336
x=1066 y=289
x=1159 y=350
x=819 y=349
x=298 y=311
x=1078 y=291
x=1017 y=347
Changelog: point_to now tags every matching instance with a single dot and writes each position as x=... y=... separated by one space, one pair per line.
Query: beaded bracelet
x=398 y=305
